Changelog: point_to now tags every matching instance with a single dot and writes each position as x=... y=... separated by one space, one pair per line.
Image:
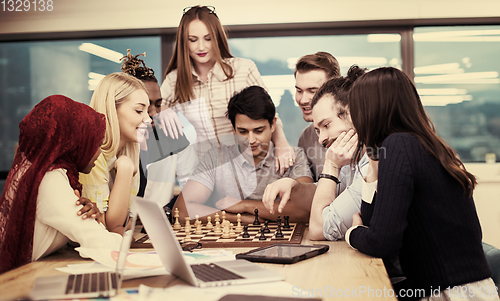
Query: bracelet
x=327 y=176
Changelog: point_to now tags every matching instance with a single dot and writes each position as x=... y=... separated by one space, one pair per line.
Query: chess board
x=209 y=239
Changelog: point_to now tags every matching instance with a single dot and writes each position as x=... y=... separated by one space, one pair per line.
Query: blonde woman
x=201 y=78
x=124 y=101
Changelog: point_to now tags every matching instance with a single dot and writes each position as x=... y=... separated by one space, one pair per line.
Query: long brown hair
x=385 y=101
x=181 y=59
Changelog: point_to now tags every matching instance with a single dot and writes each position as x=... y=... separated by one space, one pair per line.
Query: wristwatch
x=327 y=176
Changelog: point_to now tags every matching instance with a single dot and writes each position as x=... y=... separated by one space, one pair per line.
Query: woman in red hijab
x=58 y=139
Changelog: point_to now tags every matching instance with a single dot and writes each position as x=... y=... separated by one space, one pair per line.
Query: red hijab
x=57 y=133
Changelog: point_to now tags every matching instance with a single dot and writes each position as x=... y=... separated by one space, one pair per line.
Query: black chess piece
x=278 y=220
x=287 y=223
x=256 y=221
x=262 y=235
x=266 y=226
x=279 y=233
x=245 y=232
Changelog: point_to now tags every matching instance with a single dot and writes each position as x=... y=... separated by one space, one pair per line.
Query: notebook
x=90 y=285
x=163 y=238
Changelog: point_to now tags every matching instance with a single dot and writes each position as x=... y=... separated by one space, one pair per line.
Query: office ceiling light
x=363 y=61
x=492 y=35
x=444 y=100
x=384 y=38
x=439 y=69
x=488 y=77
x=448 y=91
x=94 y=79
x=100 y=51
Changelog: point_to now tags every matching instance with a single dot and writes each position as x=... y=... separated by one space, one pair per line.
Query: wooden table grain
x=341 y=273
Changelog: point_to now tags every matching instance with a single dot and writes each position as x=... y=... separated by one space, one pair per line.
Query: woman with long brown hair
x=201 y=78
x=421 y=207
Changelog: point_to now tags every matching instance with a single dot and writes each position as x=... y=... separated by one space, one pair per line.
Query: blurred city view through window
x=456 y=74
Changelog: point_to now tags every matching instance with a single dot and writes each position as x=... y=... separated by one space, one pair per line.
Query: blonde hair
x=110 y=93
x=182 y=61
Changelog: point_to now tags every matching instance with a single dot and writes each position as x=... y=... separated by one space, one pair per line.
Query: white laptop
x=90 y=285
x=163 y=238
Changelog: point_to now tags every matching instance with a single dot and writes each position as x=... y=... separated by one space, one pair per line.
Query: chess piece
x=188 y=234
x=287 y=223
x=209 y=223
x=262 y=235
x=225 y=230
x=256 y=221
x=177 y=225
x=245 y=232
x=198 y=228
x=188 y=224
x=266 y=226
x=217 y=228
x=231 y=230
x=278 y=220
x=279 y=233
x=223 y=216
x=217 y=219
x=239 y=228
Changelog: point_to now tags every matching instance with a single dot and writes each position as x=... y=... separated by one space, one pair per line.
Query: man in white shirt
x=338 y=193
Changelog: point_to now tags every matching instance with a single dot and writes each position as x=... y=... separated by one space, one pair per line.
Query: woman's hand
x=89 y=209
x=169 y=122
x=284 y=157
x=125 y=164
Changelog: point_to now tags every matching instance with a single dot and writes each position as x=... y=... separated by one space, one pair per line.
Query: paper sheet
x=138 y=264
x=186 y=292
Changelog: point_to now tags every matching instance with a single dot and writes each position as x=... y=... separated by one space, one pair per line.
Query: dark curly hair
x=132 y=65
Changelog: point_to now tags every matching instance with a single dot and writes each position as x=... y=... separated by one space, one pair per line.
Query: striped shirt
x=207 y=110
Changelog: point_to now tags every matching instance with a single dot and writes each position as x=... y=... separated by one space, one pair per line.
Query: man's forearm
x=248 y=206
x=324 y=196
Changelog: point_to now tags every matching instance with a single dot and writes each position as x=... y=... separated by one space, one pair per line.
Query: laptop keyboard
x=213 y=272
x=90 y=283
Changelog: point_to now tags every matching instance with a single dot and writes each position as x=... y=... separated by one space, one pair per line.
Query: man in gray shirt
x=311 y=72
x=233 y=177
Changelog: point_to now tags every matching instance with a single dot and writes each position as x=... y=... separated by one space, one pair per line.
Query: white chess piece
x=225 y=230
x=239 y=227
x=231 y=230
x=198 y=228
x=209 y=223
x=177 y=225
x=217 y=228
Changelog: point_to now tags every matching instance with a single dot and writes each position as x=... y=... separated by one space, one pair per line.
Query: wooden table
x=339 y=272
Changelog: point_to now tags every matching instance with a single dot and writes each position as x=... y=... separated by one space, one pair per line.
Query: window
x=31 y=71
x=276 y=57
x=456 y=74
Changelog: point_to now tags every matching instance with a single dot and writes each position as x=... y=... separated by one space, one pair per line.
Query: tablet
x=283 y=253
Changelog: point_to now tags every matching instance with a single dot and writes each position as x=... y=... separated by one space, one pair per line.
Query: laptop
x=221 y=273
x=88 y=285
